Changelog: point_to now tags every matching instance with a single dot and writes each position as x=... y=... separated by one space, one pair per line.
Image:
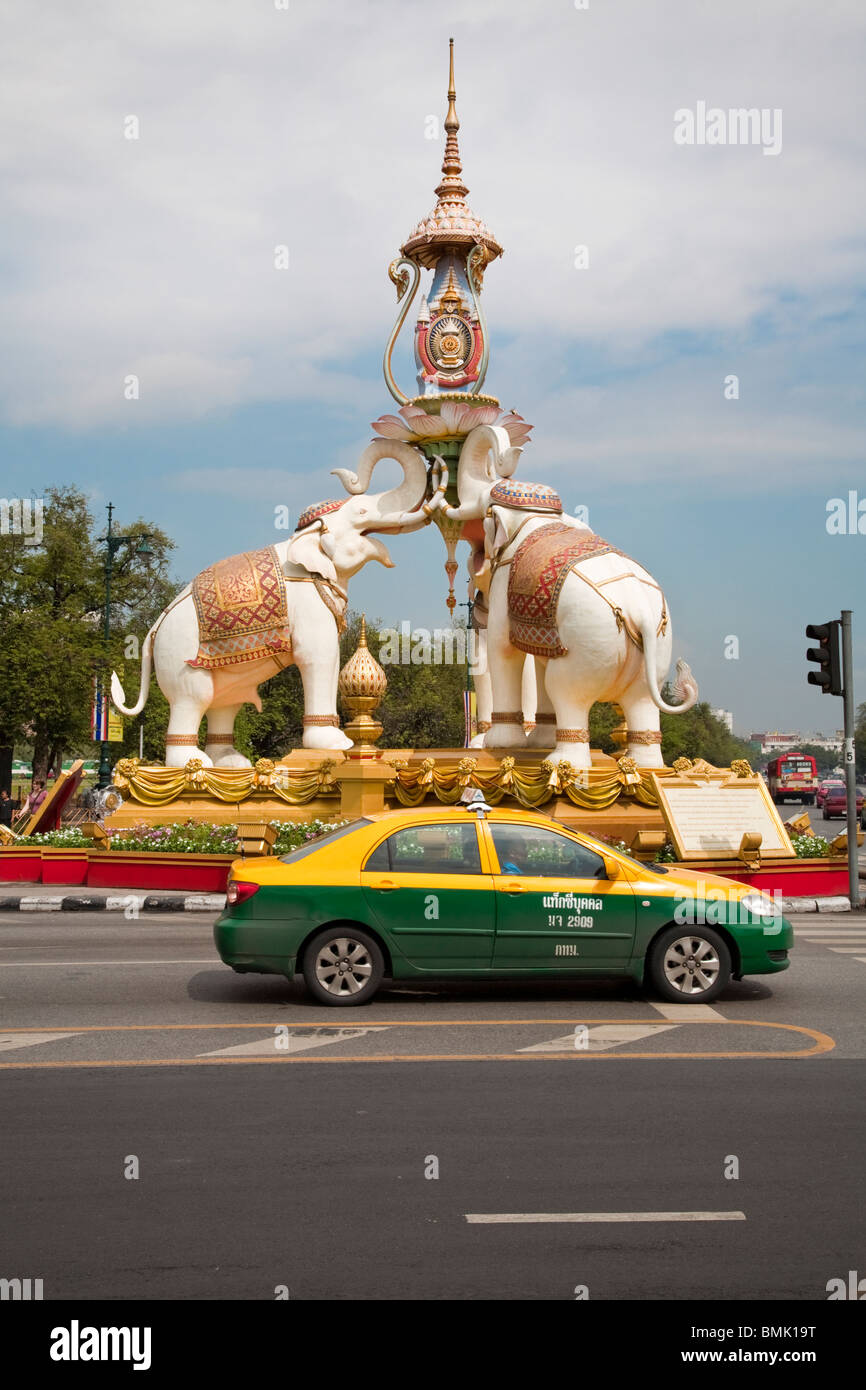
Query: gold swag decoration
x=531 y=786
x=157 y=786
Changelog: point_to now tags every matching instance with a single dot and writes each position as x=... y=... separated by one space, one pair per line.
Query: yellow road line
x=656 y=1021
x=823 y=1044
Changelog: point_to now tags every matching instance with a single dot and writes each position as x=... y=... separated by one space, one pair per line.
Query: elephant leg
x=483 y=695
x=543 y=735
x=572 y=714
x=317 y=657
x=220 y=744
x=642 y=720
x=181 y=739
x=506 y=675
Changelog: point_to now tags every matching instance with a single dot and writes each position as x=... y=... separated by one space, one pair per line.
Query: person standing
x=34 y=800
x=7 y=806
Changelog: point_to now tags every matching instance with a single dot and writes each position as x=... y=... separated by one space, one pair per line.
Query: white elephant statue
x=595 y=621
x=242 y=621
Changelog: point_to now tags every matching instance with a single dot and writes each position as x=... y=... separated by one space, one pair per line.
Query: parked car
x=836 y=802
x=494 y=894
x=824 y=787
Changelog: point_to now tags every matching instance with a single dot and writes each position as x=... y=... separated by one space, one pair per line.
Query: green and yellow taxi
x=471 y=891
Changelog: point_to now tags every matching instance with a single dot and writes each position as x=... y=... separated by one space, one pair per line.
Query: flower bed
x=183 y=857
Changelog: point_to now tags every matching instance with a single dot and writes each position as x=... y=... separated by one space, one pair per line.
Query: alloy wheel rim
x=343 y=966
x=691 y=965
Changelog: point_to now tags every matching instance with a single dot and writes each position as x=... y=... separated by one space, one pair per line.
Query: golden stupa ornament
x=362 y=684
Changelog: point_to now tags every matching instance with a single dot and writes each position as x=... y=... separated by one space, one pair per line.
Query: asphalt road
x=280 y=1143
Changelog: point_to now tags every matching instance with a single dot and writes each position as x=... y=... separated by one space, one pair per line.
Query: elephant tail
x=685 y=685
x=117 y=695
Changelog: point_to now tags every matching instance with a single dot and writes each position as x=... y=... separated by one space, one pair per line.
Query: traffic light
x=826 y=654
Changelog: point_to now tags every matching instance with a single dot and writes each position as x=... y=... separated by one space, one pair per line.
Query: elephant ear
x=305 y=550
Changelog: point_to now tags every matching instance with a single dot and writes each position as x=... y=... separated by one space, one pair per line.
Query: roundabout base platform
x=612 y=800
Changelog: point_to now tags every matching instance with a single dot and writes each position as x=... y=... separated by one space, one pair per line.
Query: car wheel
x=343 y=966
x=689 y=967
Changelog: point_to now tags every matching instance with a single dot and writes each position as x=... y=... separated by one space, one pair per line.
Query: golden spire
x=452 y=184
x=452 y=225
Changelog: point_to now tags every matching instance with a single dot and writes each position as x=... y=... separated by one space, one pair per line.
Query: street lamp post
x=112 y=545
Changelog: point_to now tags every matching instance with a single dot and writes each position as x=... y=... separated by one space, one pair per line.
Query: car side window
x=379 y=862
x=530 y=851
x=430 y=849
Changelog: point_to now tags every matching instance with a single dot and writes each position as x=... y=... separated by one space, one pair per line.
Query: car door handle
x=514 y=888
x=386 y=886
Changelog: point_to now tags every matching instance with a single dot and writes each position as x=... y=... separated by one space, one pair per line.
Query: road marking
x=821 y=1043
x=278 y=1043
x=683 y=1012
x=846 y=950
x=531 y=1218
x=26 y=964
x=837 y=935
x=599 y=1039
x=10 y=1041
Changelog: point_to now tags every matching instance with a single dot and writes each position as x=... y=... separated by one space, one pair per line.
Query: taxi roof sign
x=473 y=799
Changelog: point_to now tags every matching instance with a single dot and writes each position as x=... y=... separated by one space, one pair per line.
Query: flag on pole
x=99 y=713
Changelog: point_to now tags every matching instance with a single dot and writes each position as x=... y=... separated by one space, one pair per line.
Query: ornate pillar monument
x=450 y=337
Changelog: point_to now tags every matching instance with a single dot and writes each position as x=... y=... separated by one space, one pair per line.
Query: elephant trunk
x=487 y=455
x=406 y=497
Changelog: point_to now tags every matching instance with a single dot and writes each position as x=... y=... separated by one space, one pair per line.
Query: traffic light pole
x=850 y=768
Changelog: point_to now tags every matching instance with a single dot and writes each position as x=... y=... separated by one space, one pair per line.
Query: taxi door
x=556 y=909
x=426 y=889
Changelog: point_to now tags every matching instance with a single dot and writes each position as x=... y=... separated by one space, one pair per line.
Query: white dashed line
x=599 y=1039
x=676 y=1012
x=275 y=1044
x=531 y=1218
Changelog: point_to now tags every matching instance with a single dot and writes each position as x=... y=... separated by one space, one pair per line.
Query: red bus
x=793 y=777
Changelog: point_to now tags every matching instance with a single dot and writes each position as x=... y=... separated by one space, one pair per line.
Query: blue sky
x=307 y=128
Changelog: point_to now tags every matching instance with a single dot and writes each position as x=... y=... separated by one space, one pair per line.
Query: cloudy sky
x=307 y=126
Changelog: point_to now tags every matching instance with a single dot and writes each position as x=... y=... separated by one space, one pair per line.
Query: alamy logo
x=20 y=1290
x=76 y=1343
x=22 y=517
x=854 y=1289
x=737 y=126
x=846 y=517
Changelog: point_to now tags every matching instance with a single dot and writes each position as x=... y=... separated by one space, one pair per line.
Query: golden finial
x=451 y=166
x=362 y=684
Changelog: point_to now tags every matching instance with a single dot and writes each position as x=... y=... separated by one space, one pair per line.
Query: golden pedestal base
x=331 y=786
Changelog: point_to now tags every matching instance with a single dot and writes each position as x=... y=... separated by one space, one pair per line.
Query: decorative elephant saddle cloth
x=242 y=610
x=535 y=579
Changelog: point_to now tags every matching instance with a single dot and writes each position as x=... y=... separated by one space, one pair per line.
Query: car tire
x=343 y=966
x=672 y=974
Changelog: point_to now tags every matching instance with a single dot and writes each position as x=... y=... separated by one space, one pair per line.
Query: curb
x=815 y=905
x=130 y=904
x=133 y=903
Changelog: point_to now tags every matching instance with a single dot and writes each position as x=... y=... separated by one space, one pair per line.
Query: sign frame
x=703 y=775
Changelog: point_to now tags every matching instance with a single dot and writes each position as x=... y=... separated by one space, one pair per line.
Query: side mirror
x=613 y=868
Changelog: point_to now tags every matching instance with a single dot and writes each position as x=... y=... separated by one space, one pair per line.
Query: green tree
x=51 y=597
x=699 y=734
x=603 y=719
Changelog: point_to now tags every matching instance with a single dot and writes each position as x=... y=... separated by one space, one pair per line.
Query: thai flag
x=99 y=713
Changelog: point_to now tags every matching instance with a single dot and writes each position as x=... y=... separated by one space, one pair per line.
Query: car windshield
x=623 y=854
x=327 y=838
